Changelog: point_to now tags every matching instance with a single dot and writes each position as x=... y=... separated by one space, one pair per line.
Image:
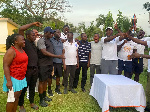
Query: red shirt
x=19 y=64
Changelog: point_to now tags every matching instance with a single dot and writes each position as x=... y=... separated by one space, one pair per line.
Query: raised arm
x=25 y=27
x=138 y=40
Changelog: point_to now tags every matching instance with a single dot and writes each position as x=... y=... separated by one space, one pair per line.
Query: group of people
x=35 y=57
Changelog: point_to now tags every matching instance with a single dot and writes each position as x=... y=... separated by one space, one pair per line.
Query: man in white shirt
x=138 y=62
x=124 y=61
x=95 y=61
x=109 y=62
x=70 y=51
x=137 y=55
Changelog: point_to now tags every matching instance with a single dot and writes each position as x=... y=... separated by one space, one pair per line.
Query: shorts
x=58 y=69
x=45 y=72
x=137 y=64
x=17 y=85
x=125 y=65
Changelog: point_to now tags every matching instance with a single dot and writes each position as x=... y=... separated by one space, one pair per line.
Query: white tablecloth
x=117 y=91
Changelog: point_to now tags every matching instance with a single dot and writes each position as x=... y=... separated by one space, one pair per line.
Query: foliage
x=90 y=30
x=147 y=6
x=42 y=8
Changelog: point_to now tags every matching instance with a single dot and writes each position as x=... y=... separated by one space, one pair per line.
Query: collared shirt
x=70 y=52
x=83 y=51
x=31 y=51
x=57 y=48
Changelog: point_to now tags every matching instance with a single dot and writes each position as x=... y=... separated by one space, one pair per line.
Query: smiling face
x=140 y=34
x=109 y=32
x=20 y=41
x=96 y=38
x=65 y=30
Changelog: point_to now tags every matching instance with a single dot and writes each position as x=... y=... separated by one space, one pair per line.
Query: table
x=117 y=91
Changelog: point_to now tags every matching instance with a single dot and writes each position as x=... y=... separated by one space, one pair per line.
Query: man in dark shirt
x=32 y=69
x=84 y=53
x=45 y=62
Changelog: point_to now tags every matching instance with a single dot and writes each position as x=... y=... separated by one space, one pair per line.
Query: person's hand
x=64 y=66
x=135 y=55
x=9 y=84
x=77 y=66
x=88 y=65
x=125 y=41
x=62 y=56
x=38 y=24
x=116 y=26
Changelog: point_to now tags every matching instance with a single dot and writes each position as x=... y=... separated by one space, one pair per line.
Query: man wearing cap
x=109 y=62
x=45 y=62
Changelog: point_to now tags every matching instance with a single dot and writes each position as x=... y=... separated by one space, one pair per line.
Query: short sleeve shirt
x=57 y=48
x=83 y=51
x=148 y=43
x=70 y=52
x=109 y=49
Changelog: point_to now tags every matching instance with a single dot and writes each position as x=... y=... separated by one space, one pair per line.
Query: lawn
x=80 y=102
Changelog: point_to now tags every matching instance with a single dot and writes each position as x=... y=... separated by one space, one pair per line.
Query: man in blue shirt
x=57 y=62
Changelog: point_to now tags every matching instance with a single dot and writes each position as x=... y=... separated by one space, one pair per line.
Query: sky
x=88 y=10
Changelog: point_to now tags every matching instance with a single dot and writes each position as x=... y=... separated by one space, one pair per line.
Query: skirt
x=16 y=84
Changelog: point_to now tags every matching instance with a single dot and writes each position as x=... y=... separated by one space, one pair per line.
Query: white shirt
x=148 y=43
x=127 y=49
x=140 y=48
x=70 y=52
x=96 y=52
x=109 y=49
x=63 y=36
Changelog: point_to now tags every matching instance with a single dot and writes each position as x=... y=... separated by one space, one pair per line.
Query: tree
x=42 y=8
x=147 y=6
x=100 y=20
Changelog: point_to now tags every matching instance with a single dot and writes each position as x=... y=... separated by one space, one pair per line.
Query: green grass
x=80 y=102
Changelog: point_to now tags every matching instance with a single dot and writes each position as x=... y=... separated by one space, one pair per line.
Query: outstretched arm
x=25 y=27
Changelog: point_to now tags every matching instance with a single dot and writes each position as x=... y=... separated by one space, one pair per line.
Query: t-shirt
x=127 y=49
x=109 y=49
x=57 y=48
x=44 y=60
x=148 y=43
x=83 y=51
x=63 y=36
x=96 y=52
x=70 y=52
x=140 y=48
x=31 y=51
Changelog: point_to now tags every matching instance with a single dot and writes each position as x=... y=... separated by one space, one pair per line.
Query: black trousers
x=31 y=77
x=84 y=75
x=70 y=69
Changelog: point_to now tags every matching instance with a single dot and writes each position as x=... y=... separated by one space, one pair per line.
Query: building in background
x=7 y=26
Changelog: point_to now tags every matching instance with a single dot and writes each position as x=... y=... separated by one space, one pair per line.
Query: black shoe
x=54 y=77
x=65 y=91
x=73 y=91
x=50 y=93
x=74 y=87
x=43 y=103
x=47 y=99
x=58 y=91
x=83 y=89
x=147 y=109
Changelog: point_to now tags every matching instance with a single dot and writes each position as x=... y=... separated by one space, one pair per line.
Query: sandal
x=22 y=110
x=35 y=107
